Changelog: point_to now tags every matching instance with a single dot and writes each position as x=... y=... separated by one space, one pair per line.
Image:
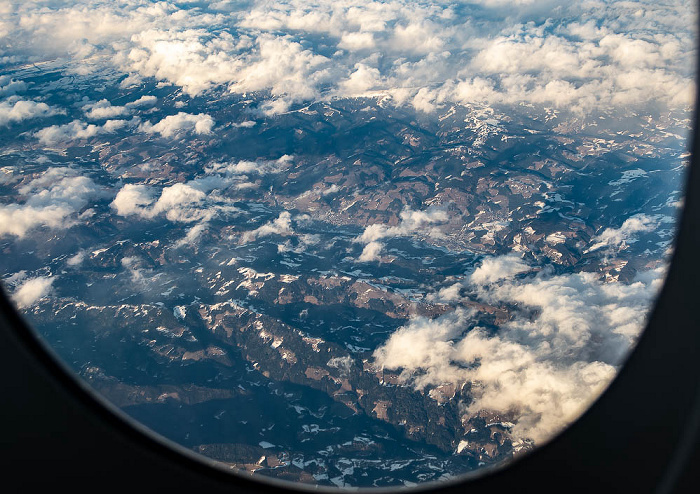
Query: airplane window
x=344 y=244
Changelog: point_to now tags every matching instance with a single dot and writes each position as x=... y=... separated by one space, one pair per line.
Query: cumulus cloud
x=356 y=41
x=9 y=86
x=282 y=225
x=52 y=200
x=198 y=200
x=617 y=238
x=498 y=268
x=143 y=101
x=172 y=125
x=624 y=55
x=179 y=202
x=32 y=290
x=133 y=199
x=565 y=338
x=19 y=110
x=447 y=294
x=284 y=68
x=245 y=167
x=78 y=129
x=411 y=222
x=371 y=252
x=361 y=81
x=103 y=109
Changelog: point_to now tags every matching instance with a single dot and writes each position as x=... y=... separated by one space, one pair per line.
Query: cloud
x=139 y=276
x=363 y=79
x=146 y=100
x=133 y=199
x=282 y=225
x=247 y=124
x=19 y=110
x=566 y=337
x=172 y=125
x=447 y=294
x=303 y=242
x=343 y=364
x=103 y=109
x=78 y=130
x=285 y=68
x=181 y=202
x=245 y=167
x=52 y=200
x=189 y=57
x=193 y=235
x=626 y=55
x=76 y=260
x=410 y=222
x=32 y=290
x=498 y=268
x=356 y=41
x=371 y=252
x=198 y=200
x=616 y=239
x=331 y=190
x=9 y=86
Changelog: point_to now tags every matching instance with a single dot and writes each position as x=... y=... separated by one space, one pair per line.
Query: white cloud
x=78 y=130
x=411 y=222
x=9 y=86
x=133 y=199
x=356 y=41
x=181 y=202
x=371 y=252
x=19 y=110
x=190 y=58
x=172 y=125
x=498 y=268
x=618 y=238
x=246 y=124
x=363 y=79
x=343 y=364
x=52 y=200
x=146 y=100
x=447 y=294
x=331 y=190
x=429 y=53
x=32 y=290
x=198 y=200
x=544 y=367
x=76 y=260
x=282 y=225
x=193 y=235
x=244 y=167
x=103 y=109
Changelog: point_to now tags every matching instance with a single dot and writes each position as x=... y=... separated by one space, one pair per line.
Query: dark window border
x=642 y=435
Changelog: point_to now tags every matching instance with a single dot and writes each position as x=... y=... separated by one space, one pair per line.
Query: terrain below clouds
x=357 y=244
